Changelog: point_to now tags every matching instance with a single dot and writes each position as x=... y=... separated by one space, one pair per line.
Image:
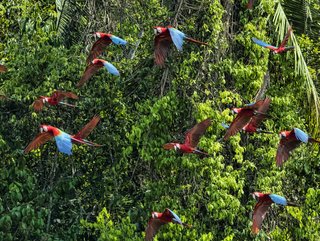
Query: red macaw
x=244 y=116
x=159 y=219
x=94 y=67
x=290 y=140
x=3 y=68
x=192 y=138
x=104 y=40
x=163 y=39
x=55 y=99
x=261 y=208
x=63 y=140
x=250 y=4
x=276 y=50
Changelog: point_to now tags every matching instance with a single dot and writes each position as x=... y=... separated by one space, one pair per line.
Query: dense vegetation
x=108 y=193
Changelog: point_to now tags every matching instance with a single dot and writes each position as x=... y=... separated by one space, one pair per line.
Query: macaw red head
x=256 y=195
x=43 y=128
x=97 y=61
x=158 y=30
x=235 y=110
x=44 y=99
x=101 y=35
x=176 y=146
x=283 y=134
x=154 y=215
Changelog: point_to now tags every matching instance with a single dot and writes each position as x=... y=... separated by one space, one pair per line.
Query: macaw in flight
x=163 y=39
x=3 y=68
x=94 y=67
x=105 y=39
x=63 y=140
x=55 y=99
x=250 y=4
x=192 y=138
x=290 y=140
x=159 y=219
x=276 y=50
x=248 y=117
x=261 y=208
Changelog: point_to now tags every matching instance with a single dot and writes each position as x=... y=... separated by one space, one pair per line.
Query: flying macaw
x=104 y=40
x=244 y=116
x=261 y=208
x=55 y=99
x=250 y=4
x=276 y=50
x=192 y=138
x=163 y=39
x=159 y=219
x=3 y=68
x=290 y=140
x=94 y=67
x=63 y=140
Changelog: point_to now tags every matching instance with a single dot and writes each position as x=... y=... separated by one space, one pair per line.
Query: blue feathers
x=278 y=199
x=225 y=125
x=300 y=135
x=261 y=43
x=118 y=41
x=177 y=37
x=64 y=144
x=176 y=218
x=111 y=69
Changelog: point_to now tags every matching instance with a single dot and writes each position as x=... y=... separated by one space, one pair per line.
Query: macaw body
x=104 y=40
x=248 y=118
x=3 y=68
x=55 y=99
x=63 y=140
x=94 y=67
x=165 y=36
x=192 y=139
x=276 y=50
x=290 y=140
x=261 y=208
x=158 y=219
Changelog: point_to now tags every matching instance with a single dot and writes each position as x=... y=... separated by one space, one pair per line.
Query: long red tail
x=195 y=41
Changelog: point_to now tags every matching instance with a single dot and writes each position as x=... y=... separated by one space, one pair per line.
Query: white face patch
x=98 y=35
x=41 y=129
x=154 y=215
x=45 y=129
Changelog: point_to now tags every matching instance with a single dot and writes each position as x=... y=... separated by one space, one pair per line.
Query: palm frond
x=301 y=69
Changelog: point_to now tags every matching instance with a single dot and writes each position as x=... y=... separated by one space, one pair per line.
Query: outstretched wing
x=162 y=44
x=193 y=136
x=153 y=227
x=239 y=122
x=38 y=104
x=284 y=148
x=286 y=38
x=257 y=119
x=86 y=130
x=89 y=71
x=259 y=213
x=98 y=48
x=38 y=141
x=177 y=37
x=263 y=44
x=3 y=68
x=60 y=95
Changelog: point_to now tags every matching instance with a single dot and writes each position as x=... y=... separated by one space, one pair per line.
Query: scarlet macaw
x=192 y=138
x=3 y=68
x=63 y=140
x=55 y=99
x=163 y=39
x=276 y=50
x=159 y=219
x=94 y=67
x=290 y=140
x=244 y=116
x=104 y=40
x=261 y=208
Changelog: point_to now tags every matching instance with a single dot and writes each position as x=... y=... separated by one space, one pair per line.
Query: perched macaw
x=289 y=140
x=192 y=138
x=94 y=67
x=159 y=219
x=261 y=208
x=276 y=50
x=250 y=4
x=244 y=116
x=104 y=40
x=3 y=68
x=163 y=39
x=55 y=99
x=63 y=140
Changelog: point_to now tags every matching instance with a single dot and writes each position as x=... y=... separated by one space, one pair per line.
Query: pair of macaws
x=63 y=140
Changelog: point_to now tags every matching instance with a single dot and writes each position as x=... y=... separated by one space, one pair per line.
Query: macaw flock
x=248 y=119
